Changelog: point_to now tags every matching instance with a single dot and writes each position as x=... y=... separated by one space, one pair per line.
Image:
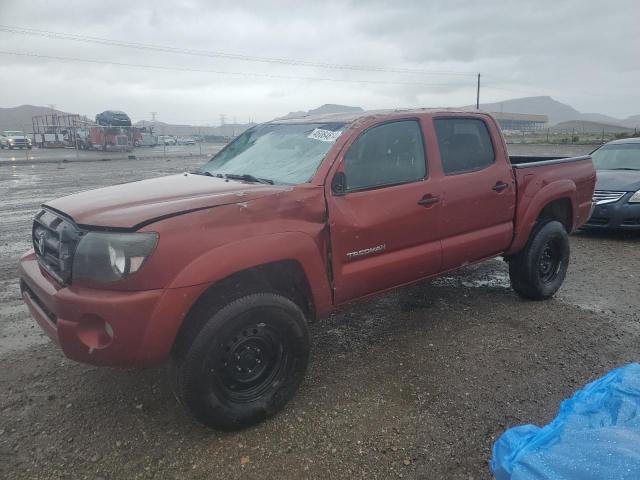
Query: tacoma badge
x=367 y=251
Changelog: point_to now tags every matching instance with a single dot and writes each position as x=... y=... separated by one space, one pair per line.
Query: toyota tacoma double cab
x=217 y=272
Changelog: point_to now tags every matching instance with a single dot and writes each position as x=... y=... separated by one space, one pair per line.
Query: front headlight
x=635 y=198
x=109 y=257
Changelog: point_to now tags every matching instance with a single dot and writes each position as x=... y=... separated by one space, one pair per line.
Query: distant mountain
x=583 y=126
x=632 y=122
x=19 y=118
x=599 y=118
x=325 y=109
x=557 y=112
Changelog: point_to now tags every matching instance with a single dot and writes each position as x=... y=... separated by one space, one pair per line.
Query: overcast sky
x=584 y=52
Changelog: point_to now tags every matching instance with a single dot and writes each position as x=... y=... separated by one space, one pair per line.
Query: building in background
x=520 y=121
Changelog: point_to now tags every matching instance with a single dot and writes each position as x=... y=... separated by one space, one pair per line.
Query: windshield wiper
x=247 y=177
x=235 y=176
x=625 y=168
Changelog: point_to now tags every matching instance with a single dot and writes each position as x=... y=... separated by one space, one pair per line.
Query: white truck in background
x=14 y=139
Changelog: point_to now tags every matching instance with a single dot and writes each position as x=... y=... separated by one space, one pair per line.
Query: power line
x=250 y=58
x=217 y=54
x=224 y=72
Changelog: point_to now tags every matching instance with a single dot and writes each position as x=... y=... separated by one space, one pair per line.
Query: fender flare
x=557 y=190
x=222 y=262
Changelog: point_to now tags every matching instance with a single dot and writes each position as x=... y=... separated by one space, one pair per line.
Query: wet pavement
x=56 y=155
x=416 y=383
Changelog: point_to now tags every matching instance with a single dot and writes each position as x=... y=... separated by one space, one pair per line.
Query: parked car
x=185 y=141
x=113 y=118
x=166 y=140
x=14 y=139
x=617 y=195
x=219 y=271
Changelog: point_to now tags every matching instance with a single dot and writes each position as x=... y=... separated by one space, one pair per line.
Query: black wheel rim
x=550 y=261
x=248 y=364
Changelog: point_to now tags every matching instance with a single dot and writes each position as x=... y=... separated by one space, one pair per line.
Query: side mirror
x=339 y=184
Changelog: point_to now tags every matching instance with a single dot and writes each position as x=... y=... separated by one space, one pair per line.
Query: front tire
x=242 y=363
x=538 y=271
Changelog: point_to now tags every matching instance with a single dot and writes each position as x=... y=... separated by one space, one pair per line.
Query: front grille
x=631 y=221
x=600 y=221
x=54 y=241
x=607 y=196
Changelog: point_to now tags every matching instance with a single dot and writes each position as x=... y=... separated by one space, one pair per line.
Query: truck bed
x=540 y=179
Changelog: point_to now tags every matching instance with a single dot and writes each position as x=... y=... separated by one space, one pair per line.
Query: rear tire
x=241 y=363
x=538 y=271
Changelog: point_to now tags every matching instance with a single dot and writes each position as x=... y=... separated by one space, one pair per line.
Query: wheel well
x=559 y=210
x=284 y=277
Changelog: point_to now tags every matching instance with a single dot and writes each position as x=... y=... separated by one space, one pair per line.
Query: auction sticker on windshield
x=324 y=135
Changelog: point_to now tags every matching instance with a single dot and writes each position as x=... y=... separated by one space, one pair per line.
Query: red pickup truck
x=218 y=271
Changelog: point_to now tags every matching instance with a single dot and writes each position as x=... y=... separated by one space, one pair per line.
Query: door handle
x=428 y=200
x=500 y=186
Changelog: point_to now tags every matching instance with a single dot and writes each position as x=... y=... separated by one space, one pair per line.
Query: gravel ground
x=414 y=384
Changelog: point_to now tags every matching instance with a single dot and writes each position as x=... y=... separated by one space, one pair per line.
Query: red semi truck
x=110 y=138
x=219 y=271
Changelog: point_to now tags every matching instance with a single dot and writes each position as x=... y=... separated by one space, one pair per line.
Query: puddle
x=471 y=279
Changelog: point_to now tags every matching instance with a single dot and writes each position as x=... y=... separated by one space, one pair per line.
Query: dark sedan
x=617 y=195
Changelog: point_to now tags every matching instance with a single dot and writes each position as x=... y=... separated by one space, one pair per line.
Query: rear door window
x=465 y=145
x=387 y=154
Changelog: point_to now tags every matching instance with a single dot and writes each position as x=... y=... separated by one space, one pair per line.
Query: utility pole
x=478 y=94
x=153 y=124
x=222 y=119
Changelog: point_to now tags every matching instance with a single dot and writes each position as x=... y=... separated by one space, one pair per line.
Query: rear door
x=384 y=219
x=478 y=190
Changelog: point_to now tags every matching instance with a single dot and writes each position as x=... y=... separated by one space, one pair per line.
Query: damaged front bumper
x=105 y=327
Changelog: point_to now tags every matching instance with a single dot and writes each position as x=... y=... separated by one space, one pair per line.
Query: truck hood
x=618 y=180
x=130 y=204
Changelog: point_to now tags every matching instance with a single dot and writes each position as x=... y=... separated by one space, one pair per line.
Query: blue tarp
x=595 y=436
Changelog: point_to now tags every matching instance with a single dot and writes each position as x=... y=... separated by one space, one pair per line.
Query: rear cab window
x=388 y=154
x=465 y=145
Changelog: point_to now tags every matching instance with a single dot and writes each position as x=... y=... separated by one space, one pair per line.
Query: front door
x=384 y=221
